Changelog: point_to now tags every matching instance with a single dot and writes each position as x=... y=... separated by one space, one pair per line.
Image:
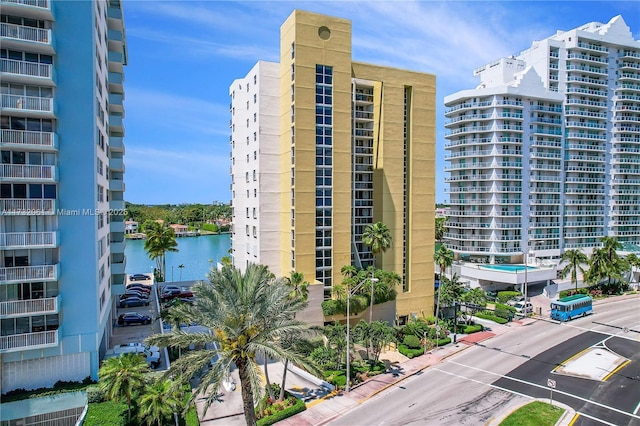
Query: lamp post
x=349 y=293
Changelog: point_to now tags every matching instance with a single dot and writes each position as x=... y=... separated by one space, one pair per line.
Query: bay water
x=197 y=254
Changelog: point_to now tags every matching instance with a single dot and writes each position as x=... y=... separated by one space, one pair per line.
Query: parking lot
x=137 y=333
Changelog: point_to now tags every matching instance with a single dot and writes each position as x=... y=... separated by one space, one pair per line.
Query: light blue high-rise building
x=61 y=187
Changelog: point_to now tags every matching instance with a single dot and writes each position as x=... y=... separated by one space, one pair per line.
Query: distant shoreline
x=142 y=236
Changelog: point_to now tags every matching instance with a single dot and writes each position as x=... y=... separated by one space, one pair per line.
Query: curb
x=420 y=369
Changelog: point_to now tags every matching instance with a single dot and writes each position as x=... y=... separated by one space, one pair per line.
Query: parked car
x=514 y=301
x=138 y=277
x=131 y=318
x=139 y=347
x=523 y=308
x=171 y=288
x=172 y=294
x=133 y=301
x=172 y=302
x=152 y=358
x=130 y=293
x=139 y=287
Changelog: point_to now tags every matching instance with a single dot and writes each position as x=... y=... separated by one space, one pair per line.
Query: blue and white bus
x=567 y=308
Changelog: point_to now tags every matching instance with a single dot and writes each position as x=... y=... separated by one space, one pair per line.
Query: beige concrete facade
x=403 y=165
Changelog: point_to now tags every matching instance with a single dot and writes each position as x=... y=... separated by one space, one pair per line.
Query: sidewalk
x=320 y=412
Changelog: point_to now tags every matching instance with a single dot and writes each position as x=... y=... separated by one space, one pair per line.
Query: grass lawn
x=534 y=414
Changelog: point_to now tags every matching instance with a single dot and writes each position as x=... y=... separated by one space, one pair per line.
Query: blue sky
x=183 y=55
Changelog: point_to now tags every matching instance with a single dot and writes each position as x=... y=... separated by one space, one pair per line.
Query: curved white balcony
x=28 y=172
x=21 y=342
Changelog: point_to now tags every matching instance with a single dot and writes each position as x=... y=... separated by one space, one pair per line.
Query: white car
x=139 y=347
x=152 y=358
x=515 y=301
x=523 y=308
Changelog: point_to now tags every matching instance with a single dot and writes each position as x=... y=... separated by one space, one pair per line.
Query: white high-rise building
x=544 y=155
x=255 y=112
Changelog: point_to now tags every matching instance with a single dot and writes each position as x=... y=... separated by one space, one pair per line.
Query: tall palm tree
x=247 y=313
x=634 y=262
x=441 y=228
x=299 y=290
x=575 y=259
x=158 y=402
x=378 y=237
x=444 y=259
x=122 y=378
x=160 y=240
x=605 y=261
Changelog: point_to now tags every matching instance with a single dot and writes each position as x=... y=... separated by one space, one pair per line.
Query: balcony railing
x=35 y=3
x=21 y=32
x=23 y=171
x=32 y=103
x=23 y=206
x=47 y=305
x=31 y=69
x=19 y=342
x=15 y=240
x=23 y=137
x=29 y=273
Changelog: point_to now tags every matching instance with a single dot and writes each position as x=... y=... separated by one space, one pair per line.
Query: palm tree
x=605 y=262
x=634 y=262
x=247 y=314
x=158 y=402
x=378 y=238
x=575 y=259
x=443 y=258
x=122 y=377
x=349 y=271
x=160 y=240
x=441 y=228
x=181 y=267
x=299 y=290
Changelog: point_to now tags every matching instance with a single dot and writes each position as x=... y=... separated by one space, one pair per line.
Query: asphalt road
x=487 y=380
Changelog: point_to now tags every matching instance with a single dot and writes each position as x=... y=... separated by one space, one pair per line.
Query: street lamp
x=351 y=291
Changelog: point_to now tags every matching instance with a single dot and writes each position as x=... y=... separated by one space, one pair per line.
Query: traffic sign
x=551 y=383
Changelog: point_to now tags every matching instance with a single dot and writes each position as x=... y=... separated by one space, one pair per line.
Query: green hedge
x=106 y=413
x=331 y=307
x=505 y=296
x=336 y=377
x=566 y=293
x=468 y=329
x=442 y=342
x=298 y=407
x=60 y=386
x=489 y=316
x=410 y=353
x=211 y=227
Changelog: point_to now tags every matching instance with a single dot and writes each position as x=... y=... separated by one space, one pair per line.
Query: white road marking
x=544 y=387
x=637 y=408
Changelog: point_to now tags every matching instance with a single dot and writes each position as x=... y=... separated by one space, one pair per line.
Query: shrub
x=284 y=413
x=412 y=342
x=336 y=378
x=212 y=227
x=410 y=353
x=323 y=356
x=106 y=413
x=505 y=296
x=488 y=315
x=95 y=394
x=332 y=307
x=444 y=341
x=275 y=388
x=430 y=320
x=468 y=329
x=504 y=311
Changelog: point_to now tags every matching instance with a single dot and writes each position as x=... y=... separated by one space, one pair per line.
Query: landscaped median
x=536 y=413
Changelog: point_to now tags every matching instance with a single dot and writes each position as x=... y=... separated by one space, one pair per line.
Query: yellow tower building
x=357 y=146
